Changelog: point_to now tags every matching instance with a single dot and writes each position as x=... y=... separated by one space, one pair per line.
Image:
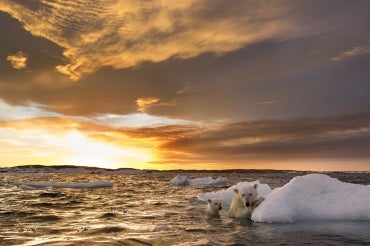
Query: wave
x=72 y=185
x=44 y=218
x=108 y=229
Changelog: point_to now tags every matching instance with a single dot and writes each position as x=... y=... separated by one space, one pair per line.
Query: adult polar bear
x=245 y=200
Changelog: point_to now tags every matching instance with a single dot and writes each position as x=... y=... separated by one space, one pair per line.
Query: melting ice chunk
x=184 y=180
x=315 y=197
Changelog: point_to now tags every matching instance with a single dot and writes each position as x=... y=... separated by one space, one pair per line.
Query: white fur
x=245 y=200
x=214 y=206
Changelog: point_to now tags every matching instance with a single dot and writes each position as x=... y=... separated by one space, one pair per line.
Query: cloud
x=268 y=102
x=27 y=111
x=18 y=60
x=123 y=34
x=144 y=102
x=40 y=144
x=171 y=143
x=363 y=49
x=346 y=136
x=32 y=134
x=137 y=120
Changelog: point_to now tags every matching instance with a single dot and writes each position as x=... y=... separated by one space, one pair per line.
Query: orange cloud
x=144 y=102
x=18 y=60
x=123 y=34
x=88 y=141
x=45 y=137
x=246 y=144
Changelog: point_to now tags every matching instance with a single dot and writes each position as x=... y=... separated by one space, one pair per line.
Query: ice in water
x=309 y=197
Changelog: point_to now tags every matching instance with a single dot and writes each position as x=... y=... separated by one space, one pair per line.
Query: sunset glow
x=92 y=153
x=185 y=85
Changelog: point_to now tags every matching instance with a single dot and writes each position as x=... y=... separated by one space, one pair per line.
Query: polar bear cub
x=214 y=206
x=245 y=200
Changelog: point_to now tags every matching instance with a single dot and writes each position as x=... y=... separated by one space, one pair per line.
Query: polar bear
x=213 y=207
x=245 y=200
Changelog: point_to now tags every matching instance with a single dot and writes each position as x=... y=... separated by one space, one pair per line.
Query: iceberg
x=315 y=197
x=228 y=194
x=181 y=180
x=72 y=185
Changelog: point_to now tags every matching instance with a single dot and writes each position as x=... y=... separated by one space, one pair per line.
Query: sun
x=90 y=152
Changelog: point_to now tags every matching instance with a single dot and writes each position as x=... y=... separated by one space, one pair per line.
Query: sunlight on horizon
x=69 y=148
x=100 y=154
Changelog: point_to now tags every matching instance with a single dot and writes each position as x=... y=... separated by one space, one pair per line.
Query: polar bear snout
x=247 y=204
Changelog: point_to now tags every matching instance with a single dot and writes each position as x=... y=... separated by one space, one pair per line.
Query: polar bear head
x=214 y=204
x=247 y=194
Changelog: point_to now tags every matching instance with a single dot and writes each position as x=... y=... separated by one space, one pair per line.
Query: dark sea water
x=145 y=209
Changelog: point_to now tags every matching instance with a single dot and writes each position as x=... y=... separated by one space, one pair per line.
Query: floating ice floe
x=228 y=194
x=315 y=197
x=72 y=185
x=184 y=180
x=308 y=197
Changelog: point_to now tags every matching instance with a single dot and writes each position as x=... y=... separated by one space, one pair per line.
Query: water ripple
x=146 y=210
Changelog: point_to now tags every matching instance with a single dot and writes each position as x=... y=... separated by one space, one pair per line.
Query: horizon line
x=174 y=170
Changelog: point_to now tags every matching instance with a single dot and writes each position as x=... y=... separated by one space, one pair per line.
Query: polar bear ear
x=255 y=186
x=236 y=190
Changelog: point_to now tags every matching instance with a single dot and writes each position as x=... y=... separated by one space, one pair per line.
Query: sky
x=195 y=84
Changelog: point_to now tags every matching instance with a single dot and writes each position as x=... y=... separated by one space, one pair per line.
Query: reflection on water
x=146 y=210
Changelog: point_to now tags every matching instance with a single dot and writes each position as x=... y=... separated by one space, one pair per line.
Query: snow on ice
x=308 y=197
x=315 y=197
x=184 y=180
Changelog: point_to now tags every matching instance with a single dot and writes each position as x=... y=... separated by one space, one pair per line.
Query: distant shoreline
x=98 y=170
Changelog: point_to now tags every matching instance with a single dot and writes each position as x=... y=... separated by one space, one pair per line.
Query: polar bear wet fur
x=214 y=206
x=245 y=200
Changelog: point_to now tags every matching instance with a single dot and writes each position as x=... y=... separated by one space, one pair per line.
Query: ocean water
x=145 y=209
